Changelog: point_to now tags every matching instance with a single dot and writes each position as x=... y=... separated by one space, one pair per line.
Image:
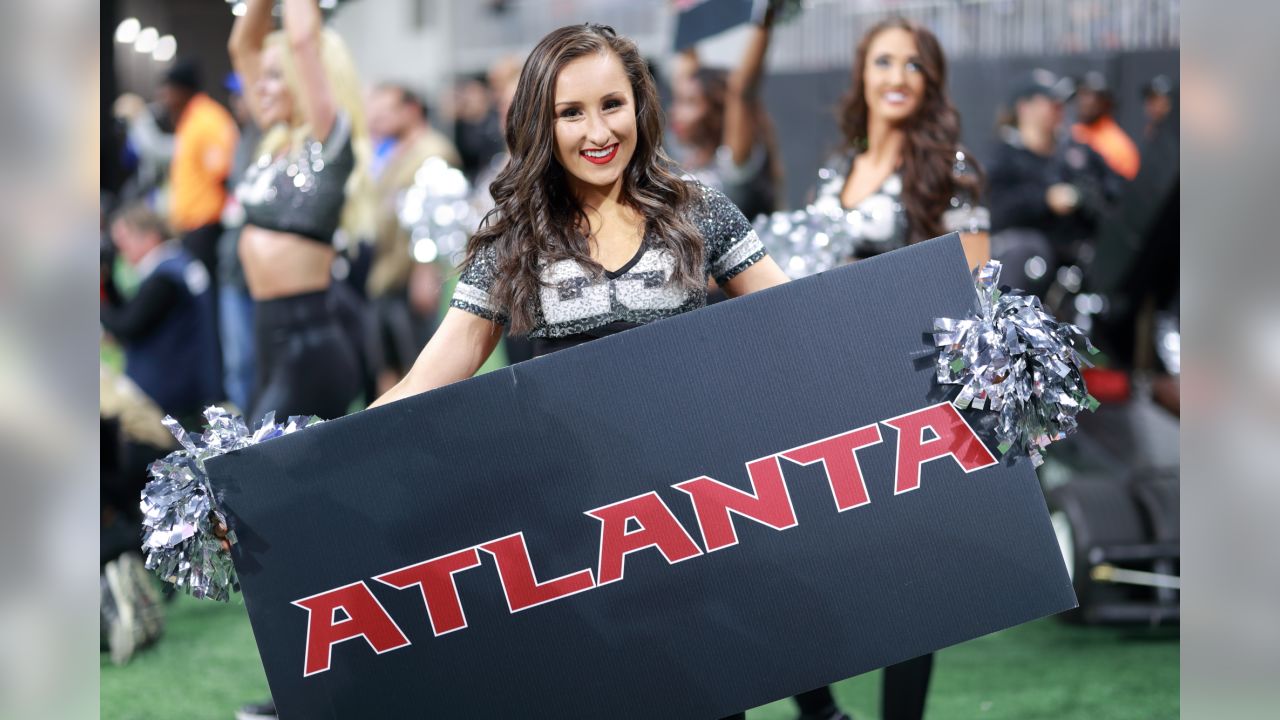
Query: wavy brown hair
x=929 y=180
x=537 y=219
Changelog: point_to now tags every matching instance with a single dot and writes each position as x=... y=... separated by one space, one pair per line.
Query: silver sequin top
x=573 y=301
x=879 y=221
x=301 y=192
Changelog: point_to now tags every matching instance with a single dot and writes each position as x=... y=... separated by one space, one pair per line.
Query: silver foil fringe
x=1015 y=359
x=180 y=512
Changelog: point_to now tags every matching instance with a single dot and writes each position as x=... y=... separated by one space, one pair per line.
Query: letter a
x=658 y=528
x=713 y=501
x=365 y=617
x=952 y=436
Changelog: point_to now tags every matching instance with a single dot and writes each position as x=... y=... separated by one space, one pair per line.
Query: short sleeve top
x=572 y=301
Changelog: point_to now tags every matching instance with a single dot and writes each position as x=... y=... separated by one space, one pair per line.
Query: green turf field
x=207 y=665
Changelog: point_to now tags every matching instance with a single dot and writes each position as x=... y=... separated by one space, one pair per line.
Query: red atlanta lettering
x=639 y=524
x=768 y=504
x=658 y=528
x=439 y=592
x=365 y=618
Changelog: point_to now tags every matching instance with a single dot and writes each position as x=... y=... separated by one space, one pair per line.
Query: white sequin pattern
x=575 y=301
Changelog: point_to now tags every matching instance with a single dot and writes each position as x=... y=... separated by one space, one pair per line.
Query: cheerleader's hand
x=220 y=532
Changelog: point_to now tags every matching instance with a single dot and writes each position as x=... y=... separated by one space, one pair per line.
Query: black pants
x=395 y=334
x=306 y=362
x=906 y=686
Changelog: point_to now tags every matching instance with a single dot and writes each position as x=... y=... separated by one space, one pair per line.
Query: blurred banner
x=702 y=20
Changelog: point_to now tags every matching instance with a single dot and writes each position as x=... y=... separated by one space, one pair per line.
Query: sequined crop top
x=301 y=192
x=574 y=302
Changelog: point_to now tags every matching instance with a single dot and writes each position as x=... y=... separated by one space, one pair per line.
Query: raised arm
x=456 y=351
x=248 y=35
x=742 y=106
x=302 y=26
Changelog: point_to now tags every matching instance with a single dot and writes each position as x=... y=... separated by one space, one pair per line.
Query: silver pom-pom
x=810 y=241
x=824 y=235
x=180 y=512
x=437 y=212
x=1015 y=359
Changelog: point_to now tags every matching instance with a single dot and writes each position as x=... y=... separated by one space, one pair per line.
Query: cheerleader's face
x=688 y=107
x=275 y=101
x=893 y=77
x=595 y=121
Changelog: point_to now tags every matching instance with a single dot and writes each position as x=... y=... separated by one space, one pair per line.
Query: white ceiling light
x=127 y=31
x=147 y=39
x=166 y=48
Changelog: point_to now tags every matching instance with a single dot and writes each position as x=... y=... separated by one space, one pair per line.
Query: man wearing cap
x=1098 y=129
x=1049 y=189
x=1157 y=102
x=401 y=320
x=204 y=141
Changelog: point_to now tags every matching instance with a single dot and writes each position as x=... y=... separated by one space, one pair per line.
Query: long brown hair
x=933 y=134
x=536 y=218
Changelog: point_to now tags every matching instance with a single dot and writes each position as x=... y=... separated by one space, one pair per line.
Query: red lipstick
x=602 y=160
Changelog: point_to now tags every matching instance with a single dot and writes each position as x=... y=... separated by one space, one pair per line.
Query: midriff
x=278 y=264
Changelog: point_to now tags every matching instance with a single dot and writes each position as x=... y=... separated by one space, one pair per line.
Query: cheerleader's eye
x=570 y=112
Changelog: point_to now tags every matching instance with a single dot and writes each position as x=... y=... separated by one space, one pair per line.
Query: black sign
x=680 y=521
x=711 y=17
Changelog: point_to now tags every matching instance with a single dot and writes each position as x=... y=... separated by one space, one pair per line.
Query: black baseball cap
x=1044 y=83
x=184 y=74
x=1159 y=85
x=1094 y=81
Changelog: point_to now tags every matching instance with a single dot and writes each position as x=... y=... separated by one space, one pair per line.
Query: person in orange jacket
x=1098 y=129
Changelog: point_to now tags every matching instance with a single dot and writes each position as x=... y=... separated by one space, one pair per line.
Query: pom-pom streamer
x=180 y=513
x=1015 y=359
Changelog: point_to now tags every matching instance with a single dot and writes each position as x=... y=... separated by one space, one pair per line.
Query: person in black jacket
x=1047 y=192
x=166 y=328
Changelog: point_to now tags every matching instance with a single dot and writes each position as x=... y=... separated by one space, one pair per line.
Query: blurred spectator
x=235 y=305
x=1157 y=102
x=398 y=327
x=204 y=142
x=723 y=127
x=476 y=128
x=132 y=437
x=1046 y=194
x=1098 y=129
x=1137 y=264
x=167 y=328
x=503 y=75
x=148 y=146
